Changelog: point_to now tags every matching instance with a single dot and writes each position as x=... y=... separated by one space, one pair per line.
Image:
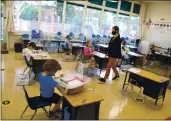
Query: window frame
x=86 y=5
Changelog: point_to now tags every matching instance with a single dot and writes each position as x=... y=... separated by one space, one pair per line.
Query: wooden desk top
x=83 y=98
x=78 y=45
x=99 y=54
x=39 y=57
x=130 y=46
x=54 y=40
x=25 y=39
x=149 y=75
x=102 y=45
x=39 y=45
x=167 y=55
x=134 y=54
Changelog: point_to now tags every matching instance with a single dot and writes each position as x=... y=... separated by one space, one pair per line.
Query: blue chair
x=35 y=35
x=98 y=36
x=59 y=34
x=71 y=35
x=126 y=38
x=104 y=36
x=25 y=36
x=93 y=36
x=29 y=65
x=35 y=103
x=108 y=37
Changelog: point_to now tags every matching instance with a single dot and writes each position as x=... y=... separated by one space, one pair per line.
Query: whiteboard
x=160 y=36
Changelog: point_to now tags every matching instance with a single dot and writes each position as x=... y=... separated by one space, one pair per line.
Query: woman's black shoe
x=115 y=77
x=102 y=80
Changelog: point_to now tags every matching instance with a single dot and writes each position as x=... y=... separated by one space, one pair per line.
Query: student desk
x=103 y=46
x=39 y=46
x=58 y=41
x=101 y=60
x=135 y=57
x=78 y=45
x=82 y=106
x=37 y=63
x=165 y=59
x=78 y=41
x=76 y=48
x=132 y=48
x=154 y=86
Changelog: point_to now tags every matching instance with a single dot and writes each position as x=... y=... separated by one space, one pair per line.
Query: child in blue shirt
x=68 y=45
x=47 y=84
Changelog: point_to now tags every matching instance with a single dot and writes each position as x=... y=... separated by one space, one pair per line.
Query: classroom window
x=109 y=20
x=134 y=26
x=123 y=21
x=97 y=2
x=125 y=6
x=73 y=18
x=136 y=8
x=112 y=4
x=51 y=16
x=26 y=15
x=92 y=23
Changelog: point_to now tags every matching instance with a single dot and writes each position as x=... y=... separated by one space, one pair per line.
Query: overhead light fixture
x=113 y=1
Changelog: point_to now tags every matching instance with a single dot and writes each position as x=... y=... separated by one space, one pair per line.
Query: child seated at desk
x=27 y=52
x=150 y=56
x=67 y=45
x=47 y=85
x=89 y=58
x=125 y=56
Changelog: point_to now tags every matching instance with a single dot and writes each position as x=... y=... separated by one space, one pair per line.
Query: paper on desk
x=135 y=70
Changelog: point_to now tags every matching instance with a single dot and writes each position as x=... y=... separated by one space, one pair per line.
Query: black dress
x=114 y=49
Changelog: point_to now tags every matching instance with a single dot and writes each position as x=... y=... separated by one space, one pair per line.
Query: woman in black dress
x=114 y=53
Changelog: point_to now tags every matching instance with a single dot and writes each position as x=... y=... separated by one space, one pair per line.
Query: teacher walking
x=114 y=53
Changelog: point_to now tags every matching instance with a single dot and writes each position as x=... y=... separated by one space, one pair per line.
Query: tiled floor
x=114 y=106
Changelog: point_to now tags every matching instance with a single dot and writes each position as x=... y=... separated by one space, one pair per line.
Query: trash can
x=18 y=47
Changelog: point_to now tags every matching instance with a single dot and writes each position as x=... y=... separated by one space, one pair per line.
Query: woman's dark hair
x=51 y=66
x=116 y=28
x=32 y=44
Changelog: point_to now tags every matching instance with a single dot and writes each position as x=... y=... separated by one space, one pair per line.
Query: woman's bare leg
x=109 y=66
x=114 y=67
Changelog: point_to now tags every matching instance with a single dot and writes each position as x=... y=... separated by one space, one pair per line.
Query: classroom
x=85 y=60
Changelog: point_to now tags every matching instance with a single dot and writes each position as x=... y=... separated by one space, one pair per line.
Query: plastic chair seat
x=37 y=102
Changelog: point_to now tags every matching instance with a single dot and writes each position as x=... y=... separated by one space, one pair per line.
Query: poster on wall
x=149 y=23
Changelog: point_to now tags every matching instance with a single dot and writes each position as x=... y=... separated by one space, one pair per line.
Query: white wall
x=157 y=11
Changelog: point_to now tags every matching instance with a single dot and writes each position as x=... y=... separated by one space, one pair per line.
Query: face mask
x=113 y=32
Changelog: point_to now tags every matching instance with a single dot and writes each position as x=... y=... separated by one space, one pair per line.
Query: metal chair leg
x=125 y=89
x=25 y=69
x=77 y=66
x=46 y=112
x=138 y=94
x=33 y=114
x=24 y=112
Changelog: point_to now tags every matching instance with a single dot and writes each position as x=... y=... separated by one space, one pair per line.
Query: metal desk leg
x=58 y=46
x=125 y=80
